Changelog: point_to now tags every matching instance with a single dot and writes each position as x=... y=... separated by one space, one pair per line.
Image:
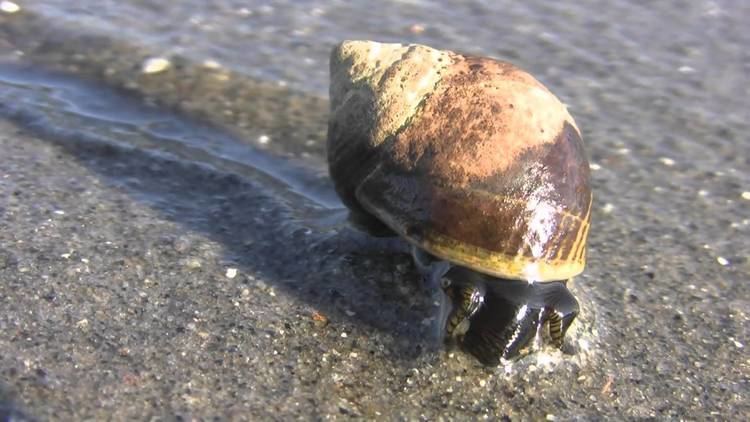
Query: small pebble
x=263 y=139
x=722 y=261
x=594 y=166
x=155 y=65
x=416 y=29
x=9 y=7
x=319 y=319
x=551 y=417
x=746 y=195
x=667 y=161
x=685 y=69
x=607 y=208
x=738 y=345
x=344 y=335
x=193 y=263
x=231 y=273
x=211 y=64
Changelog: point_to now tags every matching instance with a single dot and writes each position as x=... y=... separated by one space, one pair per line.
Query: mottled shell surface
x=470 y=158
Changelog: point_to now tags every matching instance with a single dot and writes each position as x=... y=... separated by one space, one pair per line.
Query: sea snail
x=481 y=170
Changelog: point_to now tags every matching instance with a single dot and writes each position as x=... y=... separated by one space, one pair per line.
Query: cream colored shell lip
x=497 y=264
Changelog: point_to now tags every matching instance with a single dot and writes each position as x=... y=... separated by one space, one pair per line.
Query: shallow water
x=64 y=104
x=117 y=183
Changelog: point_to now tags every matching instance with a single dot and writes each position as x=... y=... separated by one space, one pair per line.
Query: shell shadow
x=9 y=409
x=265 y=228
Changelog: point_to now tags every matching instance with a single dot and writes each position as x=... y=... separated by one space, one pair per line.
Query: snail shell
x=468 y=158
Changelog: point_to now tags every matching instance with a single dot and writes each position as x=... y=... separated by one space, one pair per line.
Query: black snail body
x=481 y=169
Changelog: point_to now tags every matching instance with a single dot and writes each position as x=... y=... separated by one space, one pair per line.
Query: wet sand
x=170 y=246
